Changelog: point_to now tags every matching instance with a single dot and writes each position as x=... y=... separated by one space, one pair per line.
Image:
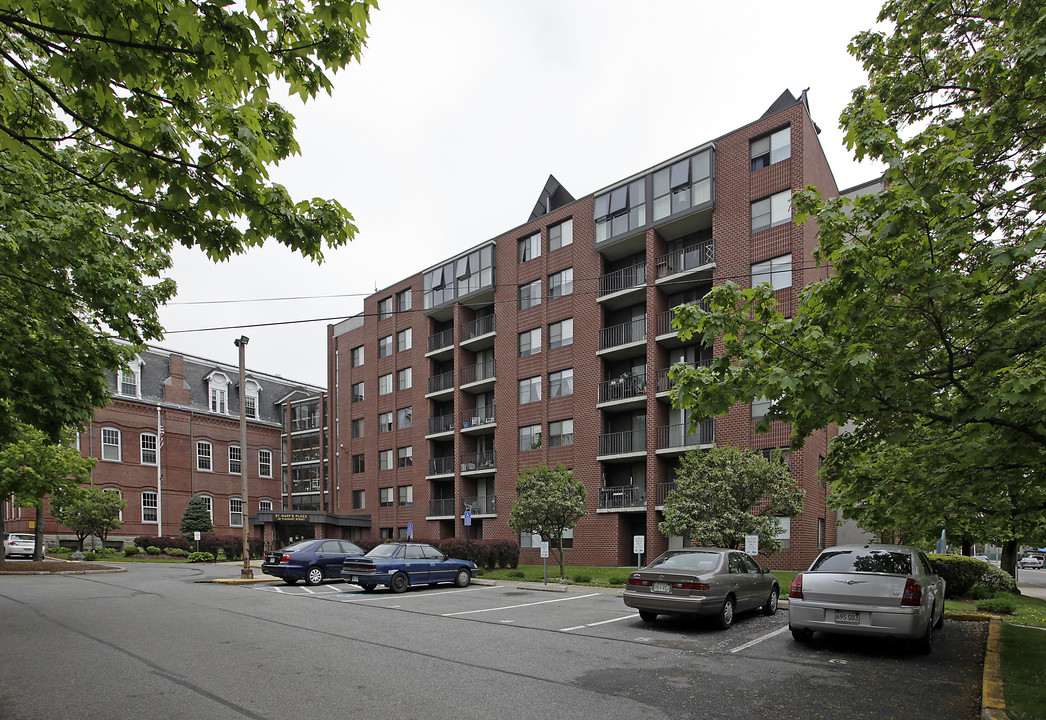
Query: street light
x=245 y=572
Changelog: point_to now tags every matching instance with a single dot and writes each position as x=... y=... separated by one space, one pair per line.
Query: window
x=760 y=407
x=385 y=384
x=385 y=346
x=111 y=444
x=459 y=277
x=561 y=383
x=530 y=390
x=682 y=185
x=148 y=507
x=786 y=454
x=209 y=503
x=385 y=308
x=770 y=149
x=203 y=455
x=385 y=533
x=384 y=460
x=820 y=532
x=357 y=392
x=356 y=356
x=128 y=380
x=405 y=495
x=560 y=235
x=529 y=294
x=265 y=505
x=404 y=340
x=384 y=422
x=561 y=433
x=250 y=406
x=359 y=499
x=562 y=283
x=148 y=445
x=265 y=464
x=404 y=379
x=529 y=437
x=119 y=495
x=530 y=342
x=405 y=456
x=218 y=385
x=403 y=300
x=777 y=272
x=533 y=540
x=620 y=210
x=358 y=465
x=385 y=497
x=530 y=247
x=771 y=211
x=236 y=512
x=404 y=418
x=234 y=460
x=784 y=531
x=357 y=428
x=561 y=333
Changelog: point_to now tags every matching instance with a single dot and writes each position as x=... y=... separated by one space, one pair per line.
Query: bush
x=517 y=574
x=201 y=557
x=959 y=572
x=1002 y=605
x=89 y=556
x=981 y=592
x=220 y=556
x=130 y=550
x=581 y=577
x=619 y=579
x=166 y=541
x=152 y=550
x=174 y=552
x=998 y=580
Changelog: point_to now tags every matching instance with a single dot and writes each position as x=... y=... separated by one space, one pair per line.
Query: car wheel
x=647 y=615
x=463 y=578
x=803 y=636
x=770 y=607
x=369 y=587
x=924 y=645
x=314 y=575
x=291 y=581
x=725 y=618
x=399 y=582
x=940 y=621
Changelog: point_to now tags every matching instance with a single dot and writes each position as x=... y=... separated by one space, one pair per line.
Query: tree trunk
x=967 y=547
x=38 y=551
x=1008 y=560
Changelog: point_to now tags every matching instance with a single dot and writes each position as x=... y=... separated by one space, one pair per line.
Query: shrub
x=201 y=557
x=517 y=574
x=959 y=572
x=618 y=579
x=581 y=577
x=163 y=542
x=130 y=550
x=220 y=556
x=998 y=580
x=174 y=552
x=152 y=550
x=89 y=556
x=1003 y=605
x=981 y=592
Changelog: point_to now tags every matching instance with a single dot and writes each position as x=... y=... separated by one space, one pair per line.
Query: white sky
x=444 y=135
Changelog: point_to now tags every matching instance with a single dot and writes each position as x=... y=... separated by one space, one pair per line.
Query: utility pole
x=241 y=342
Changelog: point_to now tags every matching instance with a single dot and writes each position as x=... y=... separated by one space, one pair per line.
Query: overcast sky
x=444 y=135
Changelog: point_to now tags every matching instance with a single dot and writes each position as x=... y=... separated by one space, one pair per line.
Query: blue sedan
x=400 y=565
x=313 y=560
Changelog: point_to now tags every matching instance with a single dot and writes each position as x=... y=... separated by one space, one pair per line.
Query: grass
x=594 y=576
x=1030 y=611
x=1023 y=657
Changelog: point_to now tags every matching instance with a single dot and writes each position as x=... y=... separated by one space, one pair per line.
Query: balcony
x=628 y=443
x=626 y=391
x=440 y=425
x=667 y=335
x=622 y=497
x=479 y=462
x=478 y=378
x=483 y=505
x=478 y=334
x=442 y=384
x=441 y=466
x=441 y=344
x=664 y=382
x=441 y=509
x=478 y=419
x=687 y=267
x=622 y=288
x=662 y=492
x=624 y=340
x=677 y=439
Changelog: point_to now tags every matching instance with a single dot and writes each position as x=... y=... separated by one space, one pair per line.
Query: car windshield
x=383 y=551
x=892 y=562
x=23 y=538
x=699 y=561
x=300 y=545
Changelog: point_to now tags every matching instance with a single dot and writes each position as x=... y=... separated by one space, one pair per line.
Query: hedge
x=962 y=573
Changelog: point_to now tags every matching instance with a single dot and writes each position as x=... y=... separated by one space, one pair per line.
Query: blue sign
x=410 y=529
x=468 y=518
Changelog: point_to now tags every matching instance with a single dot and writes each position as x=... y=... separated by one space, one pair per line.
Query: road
x=156 y=642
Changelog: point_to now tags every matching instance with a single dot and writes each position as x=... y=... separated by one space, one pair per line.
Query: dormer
x=250 y=397
x=129 y=379
x=218 y=392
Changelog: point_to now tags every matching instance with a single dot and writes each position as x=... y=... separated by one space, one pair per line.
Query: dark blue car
x=400 y=565
x=313 y=560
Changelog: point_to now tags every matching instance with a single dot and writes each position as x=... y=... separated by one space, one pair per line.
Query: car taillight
x=285 y=558
x=796 y=589
x=913 y=593
x=638 y=581
x=691 y=586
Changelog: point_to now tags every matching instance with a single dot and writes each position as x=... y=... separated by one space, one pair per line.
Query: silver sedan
x=876 y=590
x=702 y=581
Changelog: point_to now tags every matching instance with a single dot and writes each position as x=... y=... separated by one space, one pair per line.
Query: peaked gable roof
x=553 y=196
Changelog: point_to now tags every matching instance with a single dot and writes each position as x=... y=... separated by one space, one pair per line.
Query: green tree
x=725 y=493
x=196 y=517
x=88 y=511
x=549 y=501
x=32 y=467
x=126 y=128
x=933 y=319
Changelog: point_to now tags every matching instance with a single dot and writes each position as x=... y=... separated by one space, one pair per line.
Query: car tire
x=463 y=578
x=314 y=575
x=399 y=583
x=803 y=636
x=924 y=645
x=725 y=618
x=770 y=606
x=647 y=616
x=940 y=621
x=291 y=581
x=369 y=587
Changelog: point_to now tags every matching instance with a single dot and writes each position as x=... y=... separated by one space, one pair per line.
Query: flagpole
x=159 y=449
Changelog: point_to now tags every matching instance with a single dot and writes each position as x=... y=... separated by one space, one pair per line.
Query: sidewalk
x=1035 y=591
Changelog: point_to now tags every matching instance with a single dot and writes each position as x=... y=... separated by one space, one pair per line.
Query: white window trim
x=261 y=465
x=209 y=502
x=231 y=460
x=118 y=445
x=135 y=367
x=210 y=455
x=155 y=449
x=155 y=507
x=232 y=513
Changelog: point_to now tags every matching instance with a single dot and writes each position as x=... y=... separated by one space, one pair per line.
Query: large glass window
x=265 y=464
x=682 y=185
x=460 y=277
x=385 y=497
x=358 y=464
x=561 y=333
x=772 y=148
x=203 y=455
x=530 y=342
x=128 y=382
x=777 y=272
x=771 y=211
x=357 y=428
x=405 y=495
x=404 y=379
x=529 y=437
x=148 y=507
x=148 y=443
x=235 y=461
x=561 y=432
x=384 y=308
x=236 y=512
x=385 y=346
x=405 y=456
x=384 y=460
x=530 y=390
x=356 y=356
x=384 y=422
x=530 y=247
x=385 y=384
x=403 y=300
x=359 y=499
x=620 y=210
x=561 y=383
x=357 y=392
x=562 y=283
x=404 y=340
x=530 y=294
x=404 y=418
x=560 y=235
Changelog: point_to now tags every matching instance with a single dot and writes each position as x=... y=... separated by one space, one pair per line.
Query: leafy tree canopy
x=933 y=320
x=725 y=493
x=126 y=128
x=88 y=511
x=549 y=501
x=196 y=517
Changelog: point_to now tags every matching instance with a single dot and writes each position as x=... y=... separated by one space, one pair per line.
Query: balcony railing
x=481 y=505
x=674 y=436
x=442 y=507
x=443 y=381
x=687 y=258
x=662 y=492
x=441 y=340
x=478 y=372
x=443 y=423
x=623 y=388
x=486 y=460
x=624 y=279
x=623 y=334
x=622 y=496
x=477 y=416
x=664 y=382
x=479 y=326
x=621 y=442
x=441 y=465
x=664 y=319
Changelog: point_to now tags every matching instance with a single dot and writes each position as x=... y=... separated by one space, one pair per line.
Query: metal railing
x=443 y=423
x=623 y=279
x=673 y=436
x=664 y=319
x=480 y=505
x=664 y=382
x=632 y=331
x=621 y=442
x=622 y=388
x=662 y=491
x=443 y=381
x=622 y=496
x=686 y=258
x=486 y=460
x=442 y=339
x=441 y=465
x=477 y=327
x=477 y=372
x=442 y=507
x=477 y=416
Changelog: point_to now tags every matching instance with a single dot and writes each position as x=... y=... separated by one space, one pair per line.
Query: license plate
x=842 y=616
x=660 y=587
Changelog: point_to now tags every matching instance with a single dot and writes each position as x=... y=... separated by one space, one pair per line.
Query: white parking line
x=601 y=622
x=760 y=639
x=513 y=607
x=361 y=596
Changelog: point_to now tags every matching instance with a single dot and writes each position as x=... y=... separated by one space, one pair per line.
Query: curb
x=993 y=702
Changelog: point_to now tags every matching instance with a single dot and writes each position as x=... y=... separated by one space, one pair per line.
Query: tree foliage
x=933 y=320
x=196 y=517
x=126 y=128
x=725 y=493
x=88 y=511
x=549 y=501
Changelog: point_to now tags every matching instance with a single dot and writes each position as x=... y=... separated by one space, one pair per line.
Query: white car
x=19 y=544
x=1030 y=562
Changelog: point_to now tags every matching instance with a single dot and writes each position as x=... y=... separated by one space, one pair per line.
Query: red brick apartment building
x=552 y=342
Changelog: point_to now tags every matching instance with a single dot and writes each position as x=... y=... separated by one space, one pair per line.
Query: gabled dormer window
x=129 y=379
x=218 y=392
x=250 y=398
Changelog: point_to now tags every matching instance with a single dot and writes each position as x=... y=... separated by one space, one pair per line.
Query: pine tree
x=196 y=517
